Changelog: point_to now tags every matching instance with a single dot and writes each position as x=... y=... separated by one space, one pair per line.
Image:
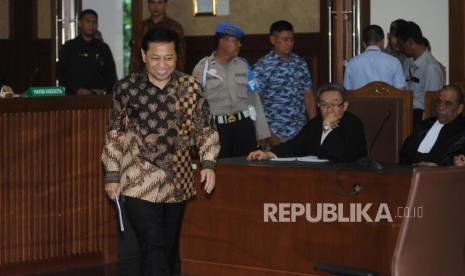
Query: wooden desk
x=53 y=210
x=225 y=234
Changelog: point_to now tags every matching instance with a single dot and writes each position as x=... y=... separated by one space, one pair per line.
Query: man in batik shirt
x=146 y=155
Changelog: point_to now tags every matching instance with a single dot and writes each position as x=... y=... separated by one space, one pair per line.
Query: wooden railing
x=53 y=210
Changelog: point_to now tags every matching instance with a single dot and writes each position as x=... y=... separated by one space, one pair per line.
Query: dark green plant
x=127 y=26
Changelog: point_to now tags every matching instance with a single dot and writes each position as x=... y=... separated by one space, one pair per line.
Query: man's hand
x=112 y=190
x=99 y=91
x=310 y=104
x=85 y=91
x=459 y=160
x=331 y=120
x=426 y=164
x=260 y=155
x=208 y=176
x=262 y=143
x=273 y=140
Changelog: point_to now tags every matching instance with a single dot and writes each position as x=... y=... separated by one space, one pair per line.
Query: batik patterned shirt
x=282 y=85
x=147 y=147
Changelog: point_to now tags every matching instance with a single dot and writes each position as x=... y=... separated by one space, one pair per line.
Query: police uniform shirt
x=225 y=85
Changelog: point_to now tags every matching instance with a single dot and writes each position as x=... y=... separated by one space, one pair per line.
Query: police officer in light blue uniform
x=231 y=93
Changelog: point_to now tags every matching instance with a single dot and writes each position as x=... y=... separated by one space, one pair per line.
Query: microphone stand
x=367 y=162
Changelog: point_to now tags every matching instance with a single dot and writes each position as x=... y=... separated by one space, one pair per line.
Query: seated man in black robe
x=335 y=134
x=437 y=140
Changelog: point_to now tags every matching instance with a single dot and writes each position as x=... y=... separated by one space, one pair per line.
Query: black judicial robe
x=450 y=142
x=345 y=143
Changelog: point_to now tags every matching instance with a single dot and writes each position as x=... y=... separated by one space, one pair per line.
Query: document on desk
x=309 y=158
x=284 y=159
x=120 y=215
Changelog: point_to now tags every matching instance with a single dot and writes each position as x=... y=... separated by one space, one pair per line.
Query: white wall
x=111 y=25
x=431 y=15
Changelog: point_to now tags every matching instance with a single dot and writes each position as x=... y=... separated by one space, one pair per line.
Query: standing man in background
x=231 y=93
x=393 y=48
x=158 y=18
x=421 y=70
x=285 y=85
x=373 y=64
x=85 y=65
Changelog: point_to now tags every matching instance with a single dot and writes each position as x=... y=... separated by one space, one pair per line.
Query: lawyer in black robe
x=335 y=134
x=346 y=143
x=450 y=140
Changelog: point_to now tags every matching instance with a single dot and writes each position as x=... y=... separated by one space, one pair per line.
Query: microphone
x=33 y=76
x=367 y=162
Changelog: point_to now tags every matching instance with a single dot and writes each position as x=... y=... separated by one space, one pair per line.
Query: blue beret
x=229 y=29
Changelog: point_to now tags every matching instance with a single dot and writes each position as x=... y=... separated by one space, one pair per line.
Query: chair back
x=432 y=234
x=371 y=103
x=430 y=108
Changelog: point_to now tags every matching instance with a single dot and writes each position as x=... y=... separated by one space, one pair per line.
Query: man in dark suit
x=335 y=134
x=437 y=140
x=86 y=65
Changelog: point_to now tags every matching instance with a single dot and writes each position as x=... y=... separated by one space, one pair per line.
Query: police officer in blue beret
x=230 y=89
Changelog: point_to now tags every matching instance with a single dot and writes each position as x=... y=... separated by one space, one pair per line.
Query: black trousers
x=158 y=228
x=237 y=139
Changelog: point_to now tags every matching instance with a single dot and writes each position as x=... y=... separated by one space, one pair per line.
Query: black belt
x=232 y=118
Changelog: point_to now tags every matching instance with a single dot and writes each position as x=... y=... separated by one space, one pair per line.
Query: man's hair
x=373 y=34
x=160 y=34
x=395 y=25
x=457 y=90
x=410 y=30
x=166 y=1
x=86 y=12
x=281 y=25
x=333 y=86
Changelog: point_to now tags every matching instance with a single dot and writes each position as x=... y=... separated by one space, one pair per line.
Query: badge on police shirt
x=253 y=112
x=212 y=71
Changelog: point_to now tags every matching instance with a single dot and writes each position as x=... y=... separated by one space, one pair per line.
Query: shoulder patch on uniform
x=199 y=67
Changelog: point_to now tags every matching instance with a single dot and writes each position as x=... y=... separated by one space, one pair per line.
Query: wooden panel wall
x=53 y=210
x=456 y=41
x=5 y=68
